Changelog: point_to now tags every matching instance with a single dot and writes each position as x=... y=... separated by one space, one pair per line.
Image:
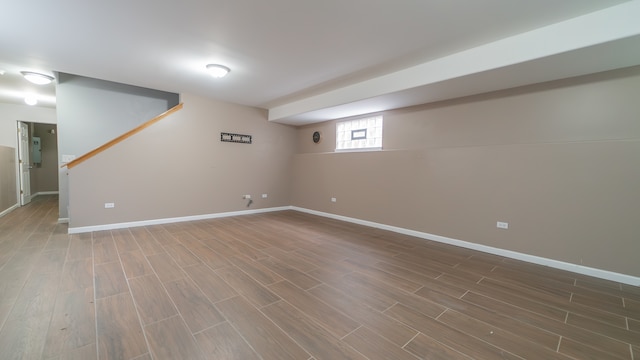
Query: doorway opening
x=37 y=160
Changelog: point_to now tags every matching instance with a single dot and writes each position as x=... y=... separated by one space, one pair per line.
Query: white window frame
x=361 y=134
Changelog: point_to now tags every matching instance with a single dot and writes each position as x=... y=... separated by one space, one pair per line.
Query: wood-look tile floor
x=289 y=285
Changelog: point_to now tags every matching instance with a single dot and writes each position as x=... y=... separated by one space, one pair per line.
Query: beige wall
x=559 y=161
x=178 y=167
x=8 y=195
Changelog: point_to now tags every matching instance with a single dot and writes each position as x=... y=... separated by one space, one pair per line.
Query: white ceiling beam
x=583 y=32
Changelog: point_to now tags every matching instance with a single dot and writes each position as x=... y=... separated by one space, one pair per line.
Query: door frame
x=32 y=130
x=24 y=197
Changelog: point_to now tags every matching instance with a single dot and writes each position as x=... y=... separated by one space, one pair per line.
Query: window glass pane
x=359 y=133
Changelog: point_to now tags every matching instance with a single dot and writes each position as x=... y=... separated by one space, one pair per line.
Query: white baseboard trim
x=10 y=209
x=63 y=220
x=83 y=229
x=580 y=269
x=45 y=193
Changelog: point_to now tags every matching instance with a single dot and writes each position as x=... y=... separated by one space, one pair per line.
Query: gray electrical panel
x=36 y=150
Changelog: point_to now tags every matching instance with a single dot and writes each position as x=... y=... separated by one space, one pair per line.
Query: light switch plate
x=68 y=158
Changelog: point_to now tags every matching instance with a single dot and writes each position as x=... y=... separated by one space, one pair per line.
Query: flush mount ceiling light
x=217 y=70
x=37 y=78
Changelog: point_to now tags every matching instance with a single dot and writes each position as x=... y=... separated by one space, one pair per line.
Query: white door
x=25 y=164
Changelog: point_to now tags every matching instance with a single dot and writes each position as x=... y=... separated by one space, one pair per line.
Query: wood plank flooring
x=288 y=285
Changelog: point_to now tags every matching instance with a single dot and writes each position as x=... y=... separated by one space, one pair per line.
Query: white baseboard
x=10 y=209
x=579 y=269
x=585 y=270
x=83 y=229
x=45 y=193
x=63 y=220
x=33 y=196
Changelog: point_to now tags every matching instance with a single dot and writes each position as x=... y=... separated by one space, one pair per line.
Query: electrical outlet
x=502 y=225
x=109 y=205
x=264 y=196
x=246 y=196
x=333 y=199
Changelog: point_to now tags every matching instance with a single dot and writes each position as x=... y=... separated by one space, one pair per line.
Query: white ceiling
x=309 y=61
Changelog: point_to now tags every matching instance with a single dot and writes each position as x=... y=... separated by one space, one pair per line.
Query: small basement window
x=359 y=134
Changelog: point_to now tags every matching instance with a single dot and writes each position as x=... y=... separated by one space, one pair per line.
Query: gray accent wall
x=92 y=112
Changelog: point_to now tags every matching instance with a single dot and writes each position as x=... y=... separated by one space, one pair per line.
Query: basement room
x=320 y=180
